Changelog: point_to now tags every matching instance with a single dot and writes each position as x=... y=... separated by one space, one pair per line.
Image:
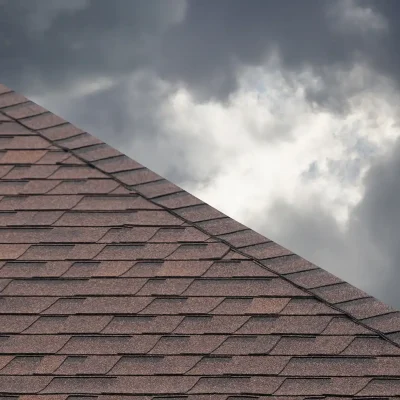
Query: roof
x=115 y=283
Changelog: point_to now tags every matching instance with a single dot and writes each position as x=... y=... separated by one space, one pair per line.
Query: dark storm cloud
x=200 y=45
x=93 y=38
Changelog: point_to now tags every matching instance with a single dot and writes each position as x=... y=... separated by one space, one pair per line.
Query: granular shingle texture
x=117 y=284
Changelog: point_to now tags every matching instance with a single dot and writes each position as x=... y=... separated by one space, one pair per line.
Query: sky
x=282 y=114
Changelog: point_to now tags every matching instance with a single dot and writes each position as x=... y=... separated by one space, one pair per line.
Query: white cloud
x=352 y=16
x=259 y=147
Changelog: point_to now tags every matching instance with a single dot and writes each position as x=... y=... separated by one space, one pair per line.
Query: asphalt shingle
x=115 y=283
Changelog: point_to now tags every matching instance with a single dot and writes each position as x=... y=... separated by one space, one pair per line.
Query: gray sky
x=283 y=114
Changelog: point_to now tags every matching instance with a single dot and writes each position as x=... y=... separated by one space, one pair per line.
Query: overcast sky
x=283 y=114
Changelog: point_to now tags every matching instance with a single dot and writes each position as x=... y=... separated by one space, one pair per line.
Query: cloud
x=355 y=17
x=198 y=45
x=81 y=40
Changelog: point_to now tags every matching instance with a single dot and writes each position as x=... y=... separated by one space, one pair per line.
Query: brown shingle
x=11 y=129
x=142 y=217
x=332 y=366
x=179 y=235
x=77 y=172
x=25 y=304
x=22 y=235
x=88 y=385
x=242 y=287
x=24 y=110
x=12 y=251
x=112 y=202
x=143 y=324
x=183 y=268
x=154 y=365
x=385 y=323
x=308 y=306
x=87 y=365
x=164 y=286
x=313 y=278
x=181 y=305
x=247 y=345
x=23 y=384
x=213 y=324
x=248 y=306
x=381 y=387
x=85 y=324
x=138 y=344
x=339 y=293
x=345 y=326
x=158 y=188
x=42 y=121
x=38 y=187
x=47 y=202
x=266 y=250
x=81 y=140
x=185 y=344
x=155 y=384
x=95 y=152
x=4 y=118
x=60 y=132
x=288 y=264
x=53 y=157
x=223 y=385
x=244 y=238
x=178 y=200
x=200 y=251
x=116 y=164
x=137 y=252
x=31 y=172
x=113 y=305
x=222 y=226
x=16 y=323
x=65 y=306
x=11 y=98
x=32 y=344
x=236 y=269
x=240 y=365
x=22 y=156
x=85 y=186
x=19 y=142
x=137 y=176
x=74 y=234
x=144 y=269
x=373 y=346
x=311 y=345
x=365 y=308
x=322 y=386
x=199 y=213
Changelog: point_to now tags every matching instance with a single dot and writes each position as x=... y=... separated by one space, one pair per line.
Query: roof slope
x=114 y=281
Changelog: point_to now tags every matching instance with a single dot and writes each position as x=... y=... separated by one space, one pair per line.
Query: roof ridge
x=45 y=129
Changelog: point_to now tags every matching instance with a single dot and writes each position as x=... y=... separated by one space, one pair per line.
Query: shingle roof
x=115 y=283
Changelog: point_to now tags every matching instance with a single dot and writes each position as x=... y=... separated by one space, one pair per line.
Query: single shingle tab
x=116 y=283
